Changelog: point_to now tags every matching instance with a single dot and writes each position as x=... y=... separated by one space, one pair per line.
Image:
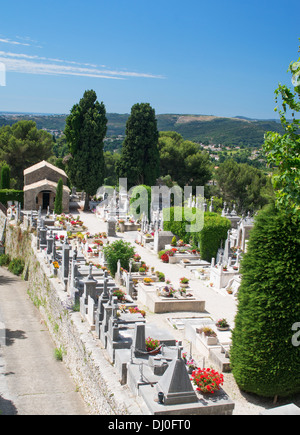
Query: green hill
x=238 y=131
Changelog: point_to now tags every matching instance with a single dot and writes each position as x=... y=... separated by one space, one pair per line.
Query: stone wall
x=94 y=376
x=45 y=172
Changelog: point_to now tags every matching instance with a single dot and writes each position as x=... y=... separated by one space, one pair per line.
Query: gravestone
x=161 y=239
x=65 y=263
x=139 y=339
x=175 y=384
x=111 y=227
x=89 y=289
x=102 y=301
x=43 y=237
x=50 y=243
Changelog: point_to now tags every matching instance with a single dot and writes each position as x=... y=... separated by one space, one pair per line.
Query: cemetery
x=115 y=337
x=109 y=307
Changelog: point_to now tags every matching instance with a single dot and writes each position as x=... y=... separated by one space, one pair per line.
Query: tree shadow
x=7 y=407
x=11 y=336
x=268 y=403
x=7 y=279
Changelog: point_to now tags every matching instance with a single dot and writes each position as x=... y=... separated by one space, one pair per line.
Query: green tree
x=283 y=150
x=58 y=204
x=244 y=185
x=23 y=145
x=85 y=131
x=5 y=177
x=143 y=195
x=139 y=161
x=183 y=160
x=263 y=358
x=118 y=250
x=111 y=161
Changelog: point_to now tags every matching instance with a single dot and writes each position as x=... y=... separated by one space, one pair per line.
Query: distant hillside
x=198 y=128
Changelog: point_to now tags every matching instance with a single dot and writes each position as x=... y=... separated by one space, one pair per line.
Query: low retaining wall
x=94 y=376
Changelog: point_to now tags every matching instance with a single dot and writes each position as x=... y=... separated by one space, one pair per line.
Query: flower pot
x=210 y=341
x=226 y=328
x=184 y=285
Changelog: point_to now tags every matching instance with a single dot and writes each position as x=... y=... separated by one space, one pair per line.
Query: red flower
x=207 y=380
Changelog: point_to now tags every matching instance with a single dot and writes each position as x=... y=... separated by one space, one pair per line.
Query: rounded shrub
x=118 y=250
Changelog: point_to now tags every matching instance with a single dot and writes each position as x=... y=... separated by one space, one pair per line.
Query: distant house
x=40 y=183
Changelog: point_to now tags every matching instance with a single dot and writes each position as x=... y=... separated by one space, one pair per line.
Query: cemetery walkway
x=32 y=381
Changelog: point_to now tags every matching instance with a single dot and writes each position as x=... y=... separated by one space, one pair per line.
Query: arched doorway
x=45 y=199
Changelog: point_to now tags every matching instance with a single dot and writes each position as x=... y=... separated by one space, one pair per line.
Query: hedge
x=214 y=232
x=207 y=234
x=11 y=195
x=264 y=359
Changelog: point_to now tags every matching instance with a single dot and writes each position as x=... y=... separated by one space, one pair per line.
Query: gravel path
x=32 y=381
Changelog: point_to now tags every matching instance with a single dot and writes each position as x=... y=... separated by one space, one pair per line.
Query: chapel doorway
x=46 y=200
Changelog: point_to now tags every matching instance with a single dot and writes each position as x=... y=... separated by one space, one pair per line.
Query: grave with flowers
x=171 y=384
x=161 y=297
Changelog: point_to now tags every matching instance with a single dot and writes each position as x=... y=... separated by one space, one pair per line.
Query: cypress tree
x=5 y=177
x=85 y=131
x=58 y=206
x=264 y=358
x=139 y=161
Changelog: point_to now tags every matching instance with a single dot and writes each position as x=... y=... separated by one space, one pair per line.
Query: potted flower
x=165 y=291
x=182 y=292
x=225 y=268
x=207 y=380
x=136 y=310
x=222 y=325
x=142 y=271
x=120 y=295
x=172 y=292
x=136 y=257
x=174 y=241
x=148 y=281
x=121 y=225
x=152 y=346
x=165 y=258
x=184 y=282
x=171 y=254
x=208 y=335
x=191 y=365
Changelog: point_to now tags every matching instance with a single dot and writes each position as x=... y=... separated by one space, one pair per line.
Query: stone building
x=40 y=183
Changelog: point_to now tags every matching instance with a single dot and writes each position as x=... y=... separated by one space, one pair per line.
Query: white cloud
x=9 y=41
x=32 y=64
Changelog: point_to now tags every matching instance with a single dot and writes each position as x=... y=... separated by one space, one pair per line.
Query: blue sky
x=222 y=58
